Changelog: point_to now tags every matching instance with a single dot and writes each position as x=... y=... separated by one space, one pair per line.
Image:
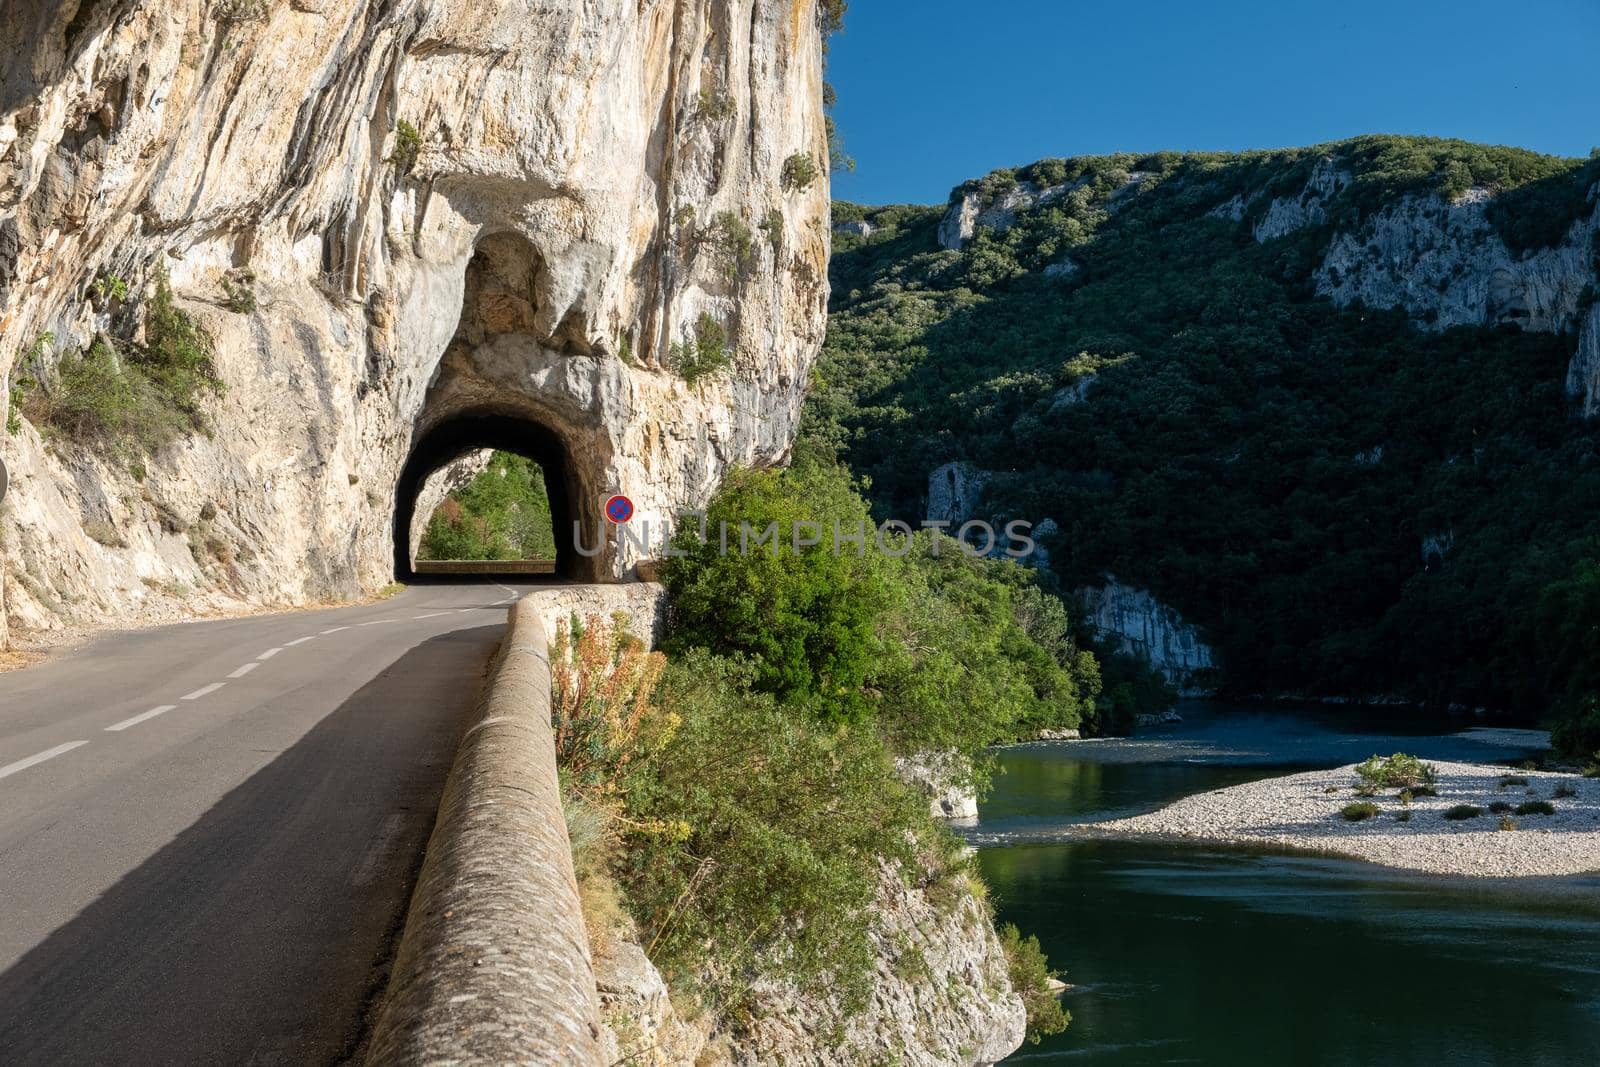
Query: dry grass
x=15 y=660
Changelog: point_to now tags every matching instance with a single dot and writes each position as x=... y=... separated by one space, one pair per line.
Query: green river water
x=1188 y=954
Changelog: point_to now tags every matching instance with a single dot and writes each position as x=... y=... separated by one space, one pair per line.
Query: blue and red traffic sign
x=619 y=509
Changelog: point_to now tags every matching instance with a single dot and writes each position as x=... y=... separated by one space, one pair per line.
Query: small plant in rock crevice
x=729 y=240
x=407 y=147
x=705 y=354
x=799 y=171
x=238 y=286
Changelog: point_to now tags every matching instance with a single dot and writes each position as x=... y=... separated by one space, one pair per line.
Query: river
x=1181 y=954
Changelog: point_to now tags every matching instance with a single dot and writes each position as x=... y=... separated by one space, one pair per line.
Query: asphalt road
x=209 y=832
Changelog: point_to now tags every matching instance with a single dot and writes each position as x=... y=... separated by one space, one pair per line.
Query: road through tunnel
x=469 y=435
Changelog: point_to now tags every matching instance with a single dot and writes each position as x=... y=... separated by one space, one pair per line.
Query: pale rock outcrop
x=1076 y=393
x=970 y=209
x=1135 y=622
x=541 y=233
x=960 y=222
x=1062 y=268
x=1445 y=265
x=1287 y=214
x=855 y=227
x=942 y=996
x=641 y=1024
x=1583 y=374
x=945 y=778
x=454 y=475
x=953 y=492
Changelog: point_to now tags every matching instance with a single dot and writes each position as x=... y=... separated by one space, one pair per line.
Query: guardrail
x=494 y=965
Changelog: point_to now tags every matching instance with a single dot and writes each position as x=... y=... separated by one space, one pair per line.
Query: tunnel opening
x=461 y=437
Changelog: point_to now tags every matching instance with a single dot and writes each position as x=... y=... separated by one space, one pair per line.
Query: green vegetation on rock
x=504 y=513
x=1342 y=501
x=119 y=395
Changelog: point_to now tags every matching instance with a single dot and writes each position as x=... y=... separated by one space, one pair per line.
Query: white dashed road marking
x=137 y=719
x=391 y=827
x=50 y=753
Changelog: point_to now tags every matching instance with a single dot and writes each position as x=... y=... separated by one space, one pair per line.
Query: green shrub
x=729 y=240
x=705 y=355
x=807 y=621
x=1423 y=790
x=944 y=652
x=1463 y=811
x=238 y=287
x=1536 y=807
x=1403 y=815
x=799 y=171
x=1358 y=811
x=717 y=106
x=1565 y=789
x=407 y=147
x=1031 y=978
x=1578 y=735
x=758 y=839
x=1499 y=807
x=1509 y=780
x=1399 y=769
x=832 y=13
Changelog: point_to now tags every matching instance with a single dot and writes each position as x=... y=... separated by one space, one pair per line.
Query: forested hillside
x=1281 y=391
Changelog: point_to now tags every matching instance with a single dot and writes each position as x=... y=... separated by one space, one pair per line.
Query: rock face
x=942 y=997
x=969 y=209
x=581 y=191
x=1139 y=624
x=1446 y=266
x=1286 y=214
x=457 y=474
x=945 y=778
x=1443 y=262
x=953 y=492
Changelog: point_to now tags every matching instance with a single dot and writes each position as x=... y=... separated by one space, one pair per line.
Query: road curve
x=208 y=832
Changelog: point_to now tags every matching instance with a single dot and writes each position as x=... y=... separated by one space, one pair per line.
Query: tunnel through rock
x=464 y=435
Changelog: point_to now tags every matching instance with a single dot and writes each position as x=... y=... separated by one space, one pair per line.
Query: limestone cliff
x=941 y=997
x=584 y=185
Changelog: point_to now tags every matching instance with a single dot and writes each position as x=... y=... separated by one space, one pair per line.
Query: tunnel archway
x=468 y=432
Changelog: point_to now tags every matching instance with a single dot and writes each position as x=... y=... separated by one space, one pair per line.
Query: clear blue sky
x=932 y=92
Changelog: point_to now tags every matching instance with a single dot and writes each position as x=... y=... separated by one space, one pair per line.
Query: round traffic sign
x=619 y=509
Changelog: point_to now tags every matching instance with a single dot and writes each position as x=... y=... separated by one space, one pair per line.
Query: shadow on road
x=260 y=933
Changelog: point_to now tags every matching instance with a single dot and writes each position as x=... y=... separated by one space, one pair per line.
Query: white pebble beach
x=1298 y=811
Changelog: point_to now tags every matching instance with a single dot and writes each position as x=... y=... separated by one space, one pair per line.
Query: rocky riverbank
x=1305 y=811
